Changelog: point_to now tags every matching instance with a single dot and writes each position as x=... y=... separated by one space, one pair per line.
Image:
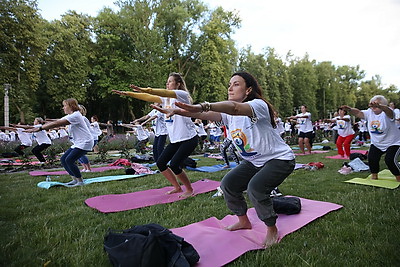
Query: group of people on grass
x=250 y=122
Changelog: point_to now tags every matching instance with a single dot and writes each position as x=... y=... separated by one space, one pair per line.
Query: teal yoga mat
x=49 y=184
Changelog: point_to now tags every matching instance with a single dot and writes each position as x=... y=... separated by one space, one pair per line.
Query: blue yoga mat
x=48 y=184
x=214 y=168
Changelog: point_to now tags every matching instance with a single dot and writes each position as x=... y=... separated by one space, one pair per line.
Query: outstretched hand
x=189 y=107
x=167 y=111
x=119 y=92
x=139 y=89
x=375 y=104
x=345 y=108
x=32 y=130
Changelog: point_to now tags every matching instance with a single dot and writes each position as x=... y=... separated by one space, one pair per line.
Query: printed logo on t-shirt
x=302 y=121
x=376 y=127
x=240 y=140
x=341 y=124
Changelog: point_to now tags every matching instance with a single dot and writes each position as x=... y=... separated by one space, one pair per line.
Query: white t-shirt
x=344 y=128
x=159 y=126
x=179 y=128
x=279 y=126
x=4 y=137
x=95 y=130
x=255 y=138
x=396 y=112
x=200 y=130
x=141 y=133
x=25 y=138
x=79 y=129
x=41 y=136
x=288 y=127
x=382 y=130
x=362 y=126
x=305 y=123
x=12 y=136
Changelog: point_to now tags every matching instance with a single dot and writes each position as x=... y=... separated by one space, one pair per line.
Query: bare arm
x=353 y=111
x=156 y=92
x=388 y=111
x=213 y=116
x=48 y=126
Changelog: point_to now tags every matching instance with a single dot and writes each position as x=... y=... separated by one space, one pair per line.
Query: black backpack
x=149 y=245
x=286 y=205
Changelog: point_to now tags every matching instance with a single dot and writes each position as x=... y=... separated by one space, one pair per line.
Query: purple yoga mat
x=140 y=199
x=352 y=151
x=312 y=152
x=98 y=169
x=217 y=246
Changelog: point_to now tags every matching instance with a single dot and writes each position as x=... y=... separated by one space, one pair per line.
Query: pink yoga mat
x=352 y=151
x=217 y=246
x=312 y=152
x=19 y=163
x=140 y=199
x=98 y=169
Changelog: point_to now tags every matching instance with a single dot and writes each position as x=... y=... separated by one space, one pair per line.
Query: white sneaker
x=78 y=184
x=72 y=182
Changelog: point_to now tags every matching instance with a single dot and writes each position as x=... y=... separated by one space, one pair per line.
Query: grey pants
x=259 y=182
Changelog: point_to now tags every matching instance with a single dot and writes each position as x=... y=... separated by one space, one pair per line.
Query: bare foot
x=398 y=178
x=226 y=167
x=272 y=236
x=237 y=226
x=187 y=194
x=173 y=191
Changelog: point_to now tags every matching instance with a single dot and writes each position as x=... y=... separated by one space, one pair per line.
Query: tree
x=21 y=47
x=217 y=56
x=65 y=66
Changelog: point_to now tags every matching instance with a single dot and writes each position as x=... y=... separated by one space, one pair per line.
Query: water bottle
x=48 y=179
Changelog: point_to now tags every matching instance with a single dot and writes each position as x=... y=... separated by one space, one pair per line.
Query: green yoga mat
x=385 y=180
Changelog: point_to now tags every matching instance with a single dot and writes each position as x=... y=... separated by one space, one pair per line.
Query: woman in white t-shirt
x=345 y=133
x=267 y=159
x=82 y=138
x=181 y=130
x=96 y=131
x=306 y=131
x=42 y=139
x=385 y=136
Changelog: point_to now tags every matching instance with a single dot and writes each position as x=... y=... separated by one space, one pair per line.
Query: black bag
x=189 y=162
x=358 y=155
x=130 y=171
x=149 y=245
x=286 y=205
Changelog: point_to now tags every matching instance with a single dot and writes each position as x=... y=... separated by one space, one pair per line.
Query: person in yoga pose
x=385 y=136
x=305 y=129
x=82 y=138
x=181 y=130
x=267 y=159
x=345 y=132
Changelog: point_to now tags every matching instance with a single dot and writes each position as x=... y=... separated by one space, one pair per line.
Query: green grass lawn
x=39 y=225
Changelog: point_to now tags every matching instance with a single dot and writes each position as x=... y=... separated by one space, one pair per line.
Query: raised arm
x=141 y=96
x=353 y=111
x=388 y=111
x=153 y=91
x=48 y=126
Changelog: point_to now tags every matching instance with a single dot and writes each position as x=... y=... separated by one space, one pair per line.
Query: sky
x=344 y=32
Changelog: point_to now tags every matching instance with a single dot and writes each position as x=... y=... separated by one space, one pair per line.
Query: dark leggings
x=68 y=161
x=158 y=146
x=37 y=151
x=176 y=153
x=391 y=159
x=19 y=149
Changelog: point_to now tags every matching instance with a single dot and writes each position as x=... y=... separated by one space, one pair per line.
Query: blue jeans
x=68 y=161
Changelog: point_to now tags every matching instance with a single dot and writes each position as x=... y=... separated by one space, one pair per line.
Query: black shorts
x=309 y=135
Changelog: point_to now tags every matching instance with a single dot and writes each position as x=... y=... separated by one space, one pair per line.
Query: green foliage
x=141 y=43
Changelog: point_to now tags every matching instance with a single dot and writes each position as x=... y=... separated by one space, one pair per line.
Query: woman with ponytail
x=267 y=159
